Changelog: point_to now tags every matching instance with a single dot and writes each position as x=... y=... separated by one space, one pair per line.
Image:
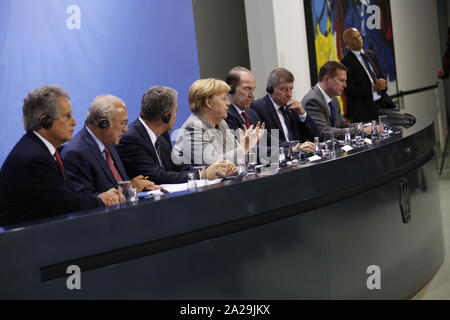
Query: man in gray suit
x=321 y=101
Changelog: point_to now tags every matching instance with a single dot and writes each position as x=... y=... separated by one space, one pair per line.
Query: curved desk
x=314 y=232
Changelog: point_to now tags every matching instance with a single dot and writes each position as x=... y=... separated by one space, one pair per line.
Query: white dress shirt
x=153 y=138
x=239 y=110
x=302 y=118
x=51 y=148
x=100 y=144
x=376 y=95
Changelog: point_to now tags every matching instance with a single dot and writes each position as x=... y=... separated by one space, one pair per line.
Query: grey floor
x=439 y=287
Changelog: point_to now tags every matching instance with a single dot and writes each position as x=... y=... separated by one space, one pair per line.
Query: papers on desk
x=314 y=158
x=368 y=141
x=171 y=188
x=347 y=148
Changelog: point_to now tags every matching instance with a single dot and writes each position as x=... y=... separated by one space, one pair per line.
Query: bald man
x=366 y=86
x=91 y=160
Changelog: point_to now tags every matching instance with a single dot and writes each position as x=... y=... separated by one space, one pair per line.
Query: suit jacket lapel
x=359 y=66
x=371 y=58
x=148 y=142
x=323 y=103
x=275 y=118
x=236 y=114
x=95 y=151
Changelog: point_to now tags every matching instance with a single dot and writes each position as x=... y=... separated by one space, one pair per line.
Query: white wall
x=277 y=38
x=418 y=56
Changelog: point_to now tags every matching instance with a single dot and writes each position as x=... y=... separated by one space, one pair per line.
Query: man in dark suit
x=92 y=163
x=33 y=182
x=321 y=101
x=366 y=86
x=243 y=85
x=283 y=116
x=146 y=148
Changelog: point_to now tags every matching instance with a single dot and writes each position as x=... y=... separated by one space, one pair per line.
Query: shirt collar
x=100 y=144
x=150 y=132
x=239 y=110
x=276 y=105
x=51 y=148
x=327 y=98
x=357 y=53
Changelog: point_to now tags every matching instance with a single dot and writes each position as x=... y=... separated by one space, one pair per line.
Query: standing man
x=366 y=86
x=145 y=150
x=280 y=112
x=243 y=85
x=321 y=101
x=92 y=162
x=33 y=182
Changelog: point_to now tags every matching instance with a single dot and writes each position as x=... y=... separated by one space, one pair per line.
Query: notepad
x=314 y=158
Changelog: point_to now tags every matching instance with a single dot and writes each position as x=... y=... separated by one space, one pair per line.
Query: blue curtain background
x=122 y=48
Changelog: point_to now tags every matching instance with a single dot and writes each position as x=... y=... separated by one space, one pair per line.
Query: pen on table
x=164 y=190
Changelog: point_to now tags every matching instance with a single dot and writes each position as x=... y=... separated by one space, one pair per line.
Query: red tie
x=248 y=123
x=60 y=164
x=111 y=165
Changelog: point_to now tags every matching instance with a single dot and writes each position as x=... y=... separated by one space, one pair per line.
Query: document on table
x=171 y=188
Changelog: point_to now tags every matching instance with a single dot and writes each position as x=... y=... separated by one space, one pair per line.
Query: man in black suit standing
x=33 y=181
x=146 y=147
x=283 y=116
x=243 y=84
x=366 y=86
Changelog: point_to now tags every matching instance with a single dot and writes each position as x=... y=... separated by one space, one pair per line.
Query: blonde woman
x=205 y=136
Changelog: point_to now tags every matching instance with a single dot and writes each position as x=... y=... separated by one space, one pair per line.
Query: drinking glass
x=347 y=137
x=192 y=184
x=294 y=151
x=328 y=138
x=384 y=124
x=128 y=192
x=374 y=134
x=250 y=160
x=359 y=134
x=317 y=149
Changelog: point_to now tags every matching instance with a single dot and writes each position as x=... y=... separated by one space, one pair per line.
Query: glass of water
x=374 y=134
x=250 y=161
x=347 y=137
x=192 y=184
x=384 y=126
x=294 y=151
x=328 y=138
x=359 y=134
x=317 y=149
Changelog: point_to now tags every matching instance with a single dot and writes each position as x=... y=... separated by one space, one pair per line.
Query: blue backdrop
x=119 y=47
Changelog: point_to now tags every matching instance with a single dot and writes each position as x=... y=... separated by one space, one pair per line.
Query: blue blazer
x=86 y=166
x=303 y=131
x=235 y=121
x=139 y=156
x=31 y=186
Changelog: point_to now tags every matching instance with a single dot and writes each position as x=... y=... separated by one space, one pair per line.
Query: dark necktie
x=287 y=121
x=60 y=164
x=333 y=114
x=247 y=121
x=369 y=67
x=112 y=167
x=158 y=150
